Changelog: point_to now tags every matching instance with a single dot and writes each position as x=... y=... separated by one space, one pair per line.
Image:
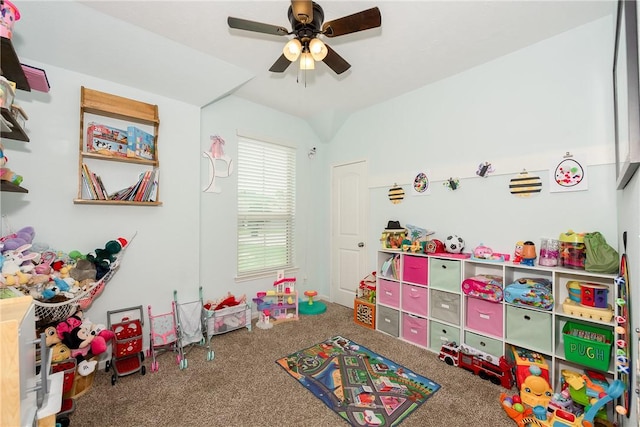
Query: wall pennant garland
x=421 y=185
x=220 y=165
x=568 y=174
x=396 y=194
x=452 y=183
x=524 y=185
x=484 y=169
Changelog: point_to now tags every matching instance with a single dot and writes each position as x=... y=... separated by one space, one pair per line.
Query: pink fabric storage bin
x=414 y=269
x=414 y=329
x=389 y=293
x=415 y=299
x=484 y=316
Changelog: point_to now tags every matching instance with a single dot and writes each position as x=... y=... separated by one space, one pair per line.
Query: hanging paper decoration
x=568 y=174
x=220 y=165
x=484 y=169
x=452 y=183
x=396 y=194
x=524 y=185
x=421 y=184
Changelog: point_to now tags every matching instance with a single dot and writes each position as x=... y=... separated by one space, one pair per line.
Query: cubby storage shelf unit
x=420 y=301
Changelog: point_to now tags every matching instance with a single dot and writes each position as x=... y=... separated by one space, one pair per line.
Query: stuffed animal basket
x=57 y=312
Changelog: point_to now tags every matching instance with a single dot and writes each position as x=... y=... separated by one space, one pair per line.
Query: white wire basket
x=56 y=312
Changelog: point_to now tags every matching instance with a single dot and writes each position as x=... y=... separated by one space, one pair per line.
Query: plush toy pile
x=53 y=276
x=49 y=275
x=79 y=338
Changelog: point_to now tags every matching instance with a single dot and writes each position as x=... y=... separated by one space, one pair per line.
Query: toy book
x=141 y=144
x=106 y=140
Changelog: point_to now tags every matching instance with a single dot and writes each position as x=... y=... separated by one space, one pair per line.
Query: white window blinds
x=266 y=207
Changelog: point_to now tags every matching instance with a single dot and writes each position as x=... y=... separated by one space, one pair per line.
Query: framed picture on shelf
x=626 y=86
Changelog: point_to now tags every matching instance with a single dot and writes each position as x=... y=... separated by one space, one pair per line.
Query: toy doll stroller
x=163 y=335
x=189 y=321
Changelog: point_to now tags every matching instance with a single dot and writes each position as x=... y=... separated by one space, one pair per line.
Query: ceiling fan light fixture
x=307 y=62
x=318 y=49
x=292 y=49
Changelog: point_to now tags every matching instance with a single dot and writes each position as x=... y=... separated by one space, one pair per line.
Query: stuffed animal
x=102 y=258
x=18 y=260
x=84 y=269
x=51 y=336
x=22 y=237
x=60 y=352
x=77 y=336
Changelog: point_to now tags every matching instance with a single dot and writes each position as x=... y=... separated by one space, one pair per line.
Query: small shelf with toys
x=12 y=121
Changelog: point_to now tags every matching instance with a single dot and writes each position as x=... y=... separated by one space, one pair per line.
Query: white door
x=349 y=208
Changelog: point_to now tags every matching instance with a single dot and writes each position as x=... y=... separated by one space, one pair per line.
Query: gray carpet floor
x=243 y=386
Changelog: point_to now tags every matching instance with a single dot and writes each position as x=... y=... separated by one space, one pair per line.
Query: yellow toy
x=535 y=391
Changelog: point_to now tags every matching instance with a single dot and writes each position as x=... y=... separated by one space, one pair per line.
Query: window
x=266 y=207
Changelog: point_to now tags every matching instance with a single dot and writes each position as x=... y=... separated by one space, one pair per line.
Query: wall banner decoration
x=452 y=183
x=567 y=174
x=396 y=194
x=420 y=184
x=484 y=169
x=524 y=185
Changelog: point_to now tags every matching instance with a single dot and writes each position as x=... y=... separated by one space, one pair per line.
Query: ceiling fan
x=307 y=23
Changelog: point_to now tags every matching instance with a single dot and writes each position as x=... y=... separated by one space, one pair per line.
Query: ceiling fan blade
x=360 y=21
x=280 y=65
x=258 y=27
x=335 y=61
x=302 y=10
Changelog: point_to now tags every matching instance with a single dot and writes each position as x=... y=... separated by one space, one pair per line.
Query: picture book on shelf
x=140 y=144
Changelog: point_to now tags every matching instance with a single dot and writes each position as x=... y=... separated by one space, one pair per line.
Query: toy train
x=486 y=366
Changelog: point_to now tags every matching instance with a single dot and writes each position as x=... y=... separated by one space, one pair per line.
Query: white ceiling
x=189 y=53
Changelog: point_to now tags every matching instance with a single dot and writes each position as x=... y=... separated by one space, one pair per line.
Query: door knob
x=361 y=245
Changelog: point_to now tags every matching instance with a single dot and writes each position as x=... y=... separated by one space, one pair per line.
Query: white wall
x=228 y=118
x=518 y=112
x=164 y=255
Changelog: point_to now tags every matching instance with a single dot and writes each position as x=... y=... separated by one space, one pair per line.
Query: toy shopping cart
x=163 y=335
x=127 y=355
x=189 y=321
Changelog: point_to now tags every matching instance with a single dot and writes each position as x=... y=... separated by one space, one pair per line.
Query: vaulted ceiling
x=185 y=49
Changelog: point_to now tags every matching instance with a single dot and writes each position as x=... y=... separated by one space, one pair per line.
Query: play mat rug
x=364 y=388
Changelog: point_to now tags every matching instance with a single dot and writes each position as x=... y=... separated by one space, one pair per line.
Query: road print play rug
x=364 y=388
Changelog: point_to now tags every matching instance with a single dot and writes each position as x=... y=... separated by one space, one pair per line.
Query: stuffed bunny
x=16 y=260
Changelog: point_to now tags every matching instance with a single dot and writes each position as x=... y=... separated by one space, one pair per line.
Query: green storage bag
x=601 y=258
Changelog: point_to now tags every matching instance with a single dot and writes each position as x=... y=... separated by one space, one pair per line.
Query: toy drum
x=572 y=250
x=9 y=14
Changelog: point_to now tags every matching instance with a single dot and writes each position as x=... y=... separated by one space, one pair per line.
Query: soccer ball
x=453 y=244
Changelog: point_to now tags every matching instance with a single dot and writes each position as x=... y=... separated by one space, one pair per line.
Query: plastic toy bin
x=587 y=345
